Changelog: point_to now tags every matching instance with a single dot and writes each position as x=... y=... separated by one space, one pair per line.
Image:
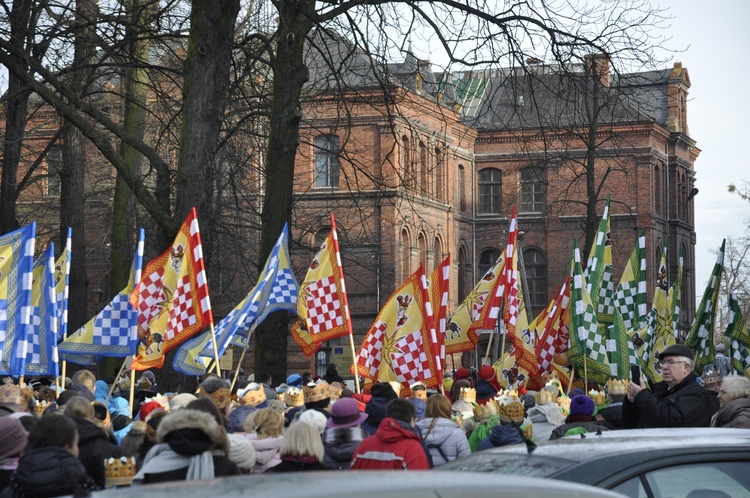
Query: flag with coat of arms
x=276 y=290
x=113 y=332
x=41 y=341
x=439 y=287
x=322 y=305
x=16 y=277
x=171 y=301
x=397 y=346
x=554 y=337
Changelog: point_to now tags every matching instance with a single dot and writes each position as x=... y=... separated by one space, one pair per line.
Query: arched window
x=422 y=246
x=408 y=163
x=490 y=191
x=532 y=190
x=424 y=180
x=327 y=160
x=487 y=259
x=461 y=188
x=439 y=172
x=463 y=275
x=405 y=255
x=535 y=264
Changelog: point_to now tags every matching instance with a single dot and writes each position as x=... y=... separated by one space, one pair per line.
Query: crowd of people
x=84 y=438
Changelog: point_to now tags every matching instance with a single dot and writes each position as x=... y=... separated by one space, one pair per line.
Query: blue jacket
x=501 y=435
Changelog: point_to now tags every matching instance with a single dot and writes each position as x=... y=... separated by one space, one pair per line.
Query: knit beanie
x=12 y=437
x=383 y=390
x=462 y=373
x=486 y=372
x=582 y=405
x=241 y=451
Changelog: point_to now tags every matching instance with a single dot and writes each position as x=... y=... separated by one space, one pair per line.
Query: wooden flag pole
x=585 y=375
x=242 y=357
x=64 y=370
x=216 y=349
x=131 y=398
x=501 y=326
x=489 y=347
x=117 y=377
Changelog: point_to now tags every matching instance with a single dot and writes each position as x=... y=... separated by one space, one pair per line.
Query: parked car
x=642 y=463
x=365 y=484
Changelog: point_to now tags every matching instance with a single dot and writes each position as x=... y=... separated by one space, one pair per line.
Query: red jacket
x=391 y=448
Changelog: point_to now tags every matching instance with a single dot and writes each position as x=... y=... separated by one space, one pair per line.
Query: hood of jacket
x=88 y=431
x=189 y=432
x=392 y=431
x=375 y=410
x=441 y=431
x=505 y=434
x=51 y=471
x=340 y=443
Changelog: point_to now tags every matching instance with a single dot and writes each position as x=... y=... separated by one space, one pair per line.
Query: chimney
x=597 y=65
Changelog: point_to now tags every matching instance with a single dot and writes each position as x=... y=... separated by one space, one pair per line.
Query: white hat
x=241 y=451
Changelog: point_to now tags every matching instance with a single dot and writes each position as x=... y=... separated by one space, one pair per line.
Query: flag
x=701 y=336
x=621 y=351
x=674 y=296
x=598 y=273
x=397 y=346
x=630 y=297
x=62 y=286
x=739 y=334
x=113 y=332
x=554 y=337
x=587 y=348
x=439 y=290
x=16 y=277
x=276 y=290
x=41 y=341
x=657 y=335
x=322 y=307
x=171 y=300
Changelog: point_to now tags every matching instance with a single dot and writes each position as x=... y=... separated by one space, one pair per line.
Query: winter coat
x=184 y=437
x=579 y=423
x=612 y=415
x=501 y=435
x=266 y=451
x=685 y=405
x=95 y=446
x=298 y=465
x=393 y=447
x=375 y=411
x=340 y=443
x=47 y=472
x=445 y=441
x=736 y=413
x=420 y=405
x=485 y=391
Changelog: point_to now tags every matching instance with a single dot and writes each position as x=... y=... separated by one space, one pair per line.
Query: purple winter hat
x=345 y=413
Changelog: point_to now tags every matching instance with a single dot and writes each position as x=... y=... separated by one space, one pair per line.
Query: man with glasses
x=677 y=401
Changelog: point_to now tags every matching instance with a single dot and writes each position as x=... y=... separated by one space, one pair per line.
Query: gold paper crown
x=119 y=471
x=335 y=389
x=40 y=406
x=712 y=377
x=293 y=397
x=315 y=393
x=599 y=398
x=468 y=394
x=615 y=386
x=515 y=411
x=253 y=395
x=486 y=411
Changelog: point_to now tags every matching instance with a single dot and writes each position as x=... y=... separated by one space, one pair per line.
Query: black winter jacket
x=340 y=443
x=687 y=404
x=47 y=472
x=94 y=446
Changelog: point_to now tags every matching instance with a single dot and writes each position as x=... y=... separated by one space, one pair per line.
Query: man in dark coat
x=677 y=401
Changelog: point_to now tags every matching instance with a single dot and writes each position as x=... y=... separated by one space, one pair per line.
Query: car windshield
x=512 y=464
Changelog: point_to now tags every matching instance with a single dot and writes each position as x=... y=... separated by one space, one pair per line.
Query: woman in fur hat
x=343 y=434
x=191 y=445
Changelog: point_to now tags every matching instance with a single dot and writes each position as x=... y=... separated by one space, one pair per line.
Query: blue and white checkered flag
x=62 y=287
x=41 y=341
x=114 y=331
x=16 y=277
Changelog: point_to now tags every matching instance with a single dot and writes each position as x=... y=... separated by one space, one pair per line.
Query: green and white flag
x=739 y=334
x=620 y=348
x=701 y=336
x=598 y=273
x=675 y=294
x=630 y=297
x=587 y=346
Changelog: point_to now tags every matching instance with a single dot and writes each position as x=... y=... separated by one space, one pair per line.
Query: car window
x=704 y=480
x=632 y=488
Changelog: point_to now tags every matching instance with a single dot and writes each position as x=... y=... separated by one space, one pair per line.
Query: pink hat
x=345 y=413
x=12 y=437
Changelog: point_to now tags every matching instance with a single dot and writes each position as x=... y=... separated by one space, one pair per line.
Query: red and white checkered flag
x=370 y=355
x=410 y=360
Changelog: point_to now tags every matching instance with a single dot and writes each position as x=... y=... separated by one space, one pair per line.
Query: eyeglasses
x=670 y=362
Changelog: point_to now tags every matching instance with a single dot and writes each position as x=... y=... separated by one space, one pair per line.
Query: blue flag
x=41 y=341
x=16 y=265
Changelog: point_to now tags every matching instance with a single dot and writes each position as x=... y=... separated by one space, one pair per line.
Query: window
x=487 y=260
x=463 y=275
x=54 y=166
x=327 y=161
x=461 y=189
x=439 y=172
x=405 y=255
x=408 y=163
x=532 y=190
x=422 y=246
x=692 y=480
x=490 y=191
x=657 y=190
x=535 y=264
x=424 y=180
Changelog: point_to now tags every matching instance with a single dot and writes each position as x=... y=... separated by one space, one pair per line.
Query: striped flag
x=587 y=348
x=701 y=336
x=397 y=346
x=598 y=273
x=276 y=290
x=41 y=341
x=630 y=297
x=621 y=351
x=113 y=332
x=16 y=277
x=657 y=335
x=62 y=286
x=171 y=301
x=322 y=306
x=739 y=334
x=439 y=288
x=554 y=337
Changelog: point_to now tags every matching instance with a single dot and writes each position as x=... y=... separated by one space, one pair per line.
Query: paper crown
x=486 y=411
x=319 y=392
x=514 y=411
x=468 y=394
x=293 y=397
x=618 y=387
x=599 y=398
x=334 y=390
x=711 y=376
x=40 y=407
x=11 y=393
x=221 y=397
x=119 y=471
x=253 y=395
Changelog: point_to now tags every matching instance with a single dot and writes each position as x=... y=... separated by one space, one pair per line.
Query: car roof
x=365 y=484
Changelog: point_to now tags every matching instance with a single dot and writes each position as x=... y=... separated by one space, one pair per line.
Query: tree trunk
x=15 y=122
x=289 y=74
x=204 y=94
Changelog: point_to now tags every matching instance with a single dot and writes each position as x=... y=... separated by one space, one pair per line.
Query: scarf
x=161 y=458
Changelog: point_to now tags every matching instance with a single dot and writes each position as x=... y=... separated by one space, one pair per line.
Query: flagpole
x=64 y=369
x=216 y=349
x=585 y=375
x=117 y=377
x=489 y=347
x=132 y=392
x=502 y=344
x=242 y=357
x=345 y=302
